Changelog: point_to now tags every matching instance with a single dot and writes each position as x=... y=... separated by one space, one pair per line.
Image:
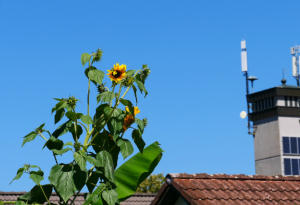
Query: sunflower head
x=117 y=73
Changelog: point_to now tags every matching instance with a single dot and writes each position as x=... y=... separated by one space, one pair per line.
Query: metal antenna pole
x=247 y=93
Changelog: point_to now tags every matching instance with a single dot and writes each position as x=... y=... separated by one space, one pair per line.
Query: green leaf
x=86 y=119
x=106 y=96
x=37 y=176
x=20 y=172
x=104 y=141
x=95 y=197
x=78 y=132
x=31 y=136
x=79 y=177
x=128 y=104
x=140 y=124
x=85 y=57
x=60 y=152
x=125 y=146
x=138 y=140
x=92 y=180
x=61 y=176
x=135 y=170
x=115 y=126
x=130 y=72
x=135 y=95
x=80 y=159
x=54 y=143
x=110 y=196
x=37 y=195
x=98 y=55
x=141 y=87
x=96 y=76
x=62 y=129
x=73 y=115
x=104 y=159
x=59 y=115
x=60 y=105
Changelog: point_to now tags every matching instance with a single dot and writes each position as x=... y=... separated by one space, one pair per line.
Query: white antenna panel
x=244 y=61
x=244 y=56
x=294 y=65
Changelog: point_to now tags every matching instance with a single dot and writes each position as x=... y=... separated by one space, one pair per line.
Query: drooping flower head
x=117 y=73
x=129 y=118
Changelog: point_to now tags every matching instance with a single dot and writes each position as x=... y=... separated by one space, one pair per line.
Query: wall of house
x=267 y=148
x=180 y=201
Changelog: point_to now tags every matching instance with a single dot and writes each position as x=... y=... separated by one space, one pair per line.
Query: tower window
x=291 y=166
x=291 y=145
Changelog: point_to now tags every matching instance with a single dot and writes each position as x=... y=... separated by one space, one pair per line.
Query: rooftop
x=198 y=189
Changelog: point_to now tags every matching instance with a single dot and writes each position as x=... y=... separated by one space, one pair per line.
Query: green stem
x=113 y=90
x=41 y=134
x=45 y=194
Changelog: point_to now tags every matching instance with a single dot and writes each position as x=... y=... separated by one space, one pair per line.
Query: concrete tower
x=275 y=117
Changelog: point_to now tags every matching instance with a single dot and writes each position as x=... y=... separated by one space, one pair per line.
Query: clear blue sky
x=196 y=86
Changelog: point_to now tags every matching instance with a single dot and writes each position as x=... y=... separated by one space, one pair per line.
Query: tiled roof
x=198 y=189
x=136 y=199
x=139 y=199
x=13 y=196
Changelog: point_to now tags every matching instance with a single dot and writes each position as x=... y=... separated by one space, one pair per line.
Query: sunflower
x=117 y=73
x=129 y=118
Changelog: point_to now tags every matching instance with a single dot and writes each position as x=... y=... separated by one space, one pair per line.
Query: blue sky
x=196 y=88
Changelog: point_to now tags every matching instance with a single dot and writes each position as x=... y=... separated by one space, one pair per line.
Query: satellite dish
x=243 y=114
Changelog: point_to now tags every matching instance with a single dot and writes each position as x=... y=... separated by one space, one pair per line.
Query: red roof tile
x=136 y=199
x=198 y=189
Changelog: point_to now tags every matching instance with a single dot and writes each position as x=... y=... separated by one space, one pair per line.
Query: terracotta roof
x=139 y=199
x=13 y=196
x=136 y=199
x=198 y=189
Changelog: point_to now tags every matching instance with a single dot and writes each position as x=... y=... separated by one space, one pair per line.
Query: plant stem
x=41 y=134
x=45 y=194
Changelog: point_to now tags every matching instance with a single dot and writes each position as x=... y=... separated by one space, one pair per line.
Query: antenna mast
x=295 y=62
x=248 y=78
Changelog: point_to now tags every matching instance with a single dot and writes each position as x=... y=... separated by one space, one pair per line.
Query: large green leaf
x=86 y=119
x=104 y=141
x=106 y=96
x=37 y=176
x=61 y=176
x=135 y=170
x=125 y=146
x=104 y=160
x=80 y=159
x=96 y=76
x=110 y=196
x=62 y=129
x=54 y=143
x=37 y=195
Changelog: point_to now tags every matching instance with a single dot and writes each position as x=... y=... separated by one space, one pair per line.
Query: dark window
x=285 y=101
x=287 y=167
x=294 y=145
x=286 y=145
x=295 y=167
x=298 y=145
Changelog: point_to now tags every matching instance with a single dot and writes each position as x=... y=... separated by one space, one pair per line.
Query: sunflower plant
x=98 y=139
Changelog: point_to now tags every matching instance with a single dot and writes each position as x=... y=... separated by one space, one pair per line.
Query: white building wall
x=267 y=148
x=289 y=127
